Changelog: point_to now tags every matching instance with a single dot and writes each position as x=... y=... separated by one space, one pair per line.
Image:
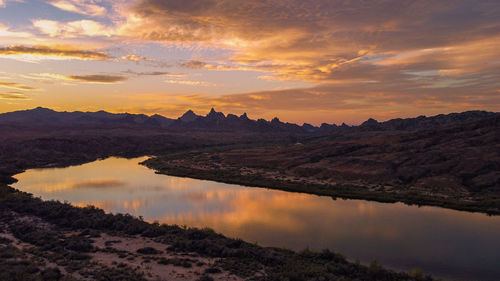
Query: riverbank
x=48 y=240
x=208 y=166
x=454 y=166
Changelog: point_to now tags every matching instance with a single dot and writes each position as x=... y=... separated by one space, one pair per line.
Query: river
x=446 y=243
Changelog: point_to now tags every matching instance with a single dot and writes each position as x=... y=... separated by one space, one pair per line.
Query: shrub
x=148 y=251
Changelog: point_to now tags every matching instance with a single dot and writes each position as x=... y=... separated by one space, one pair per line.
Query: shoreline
x=341 y=191
x=57 y=238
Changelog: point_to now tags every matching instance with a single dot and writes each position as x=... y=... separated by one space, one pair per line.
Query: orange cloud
x=51 y=52
x=323 y=41
x=97 y=78
x=360 y=58
x=189 y=82
x=16 y=86
x=135 y=58
x=13 y=96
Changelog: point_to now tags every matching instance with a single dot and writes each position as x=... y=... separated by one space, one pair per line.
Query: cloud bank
x=360 y=57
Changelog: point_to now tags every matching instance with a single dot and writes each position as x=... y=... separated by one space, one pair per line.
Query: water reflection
x=447 y=243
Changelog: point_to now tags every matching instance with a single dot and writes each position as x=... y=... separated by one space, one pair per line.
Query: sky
x=309 y=61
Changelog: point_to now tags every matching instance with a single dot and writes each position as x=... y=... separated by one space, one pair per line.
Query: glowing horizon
x=315 y=61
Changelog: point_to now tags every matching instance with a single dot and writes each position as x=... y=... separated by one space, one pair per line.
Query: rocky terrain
x=455 y=166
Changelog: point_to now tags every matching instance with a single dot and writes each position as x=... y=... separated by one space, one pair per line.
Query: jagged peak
x=48 y=115
x=328 y=125
x=214 y=113
x=370 y=121
x=188 y=116
x=188 y=112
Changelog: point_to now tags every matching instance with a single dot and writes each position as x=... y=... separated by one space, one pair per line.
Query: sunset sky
x=304 y=61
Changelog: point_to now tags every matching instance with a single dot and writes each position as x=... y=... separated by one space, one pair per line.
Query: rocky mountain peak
x=189 y=116
x=370 y=121
x=215 y=115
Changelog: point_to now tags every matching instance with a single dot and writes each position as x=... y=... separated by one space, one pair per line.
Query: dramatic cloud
x=13 y=96
x=16 y=86
x=310 y=60
x=84 y=7
x=323 y=41
x=52 y=52
x=98 y=78
x=37 y=53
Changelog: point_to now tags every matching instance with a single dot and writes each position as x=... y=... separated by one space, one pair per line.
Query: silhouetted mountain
x=189 y=116
x=43 y=117
x=244 y=116
x=423 y=122
x=411 y=124
x=217 y=121
x=370 y=124
x=160 y=120
x=328 y=127
x=215 y=116
x=309 y=128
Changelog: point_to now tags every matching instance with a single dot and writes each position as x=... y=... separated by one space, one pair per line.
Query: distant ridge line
x=45 y=117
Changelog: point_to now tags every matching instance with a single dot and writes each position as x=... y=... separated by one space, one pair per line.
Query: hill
x=453 y=165
x=218 y=121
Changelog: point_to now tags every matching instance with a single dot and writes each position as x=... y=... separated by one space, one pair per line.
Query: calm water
x=447 y=243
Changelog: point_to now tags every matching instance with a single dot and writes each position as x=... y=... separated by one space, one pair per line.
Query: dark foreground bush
x=148 y=251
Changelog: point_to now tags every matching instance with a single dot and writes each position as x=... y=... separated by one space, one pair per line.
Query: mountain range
x=218 y=121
